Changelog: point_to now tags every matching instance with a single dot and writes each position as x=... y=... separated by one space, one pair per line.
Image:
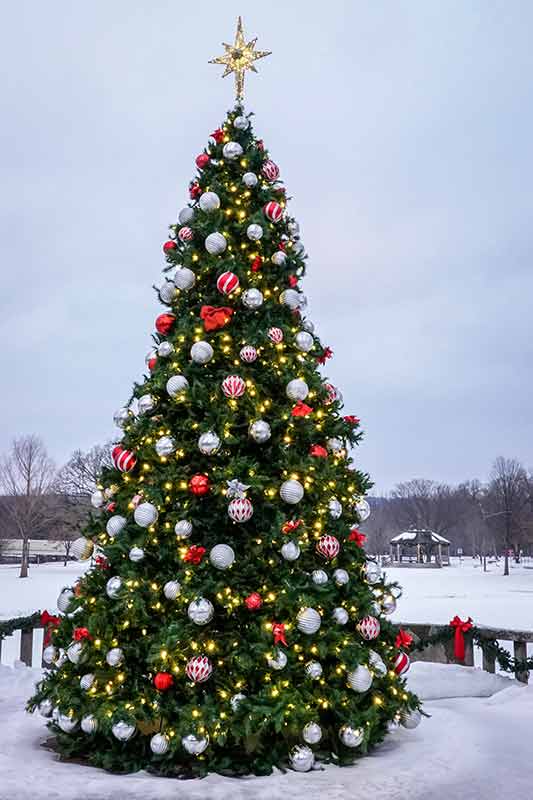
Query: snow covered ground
x=476 y=745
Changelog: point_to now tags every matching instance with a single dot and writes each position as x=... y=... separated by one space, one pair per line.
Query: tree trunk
x=506 y=563
x=24 y=560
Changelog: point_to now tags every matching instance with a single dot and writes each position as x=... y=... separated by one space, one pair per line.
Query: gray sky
x=404 y=133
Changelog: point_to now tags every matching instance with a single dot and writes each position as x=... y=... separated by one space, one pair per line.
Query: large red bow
x=461 y=627
x=218 y=135
x=357 y=537
x=326 y=353
x=351 y=420
x=403 y=640
x=81 y=633
x=301 y=410
x=194 y=554
x=291 y=525
x=215 y=318
x=278 y=631
x=49 y=622
x=318 y=451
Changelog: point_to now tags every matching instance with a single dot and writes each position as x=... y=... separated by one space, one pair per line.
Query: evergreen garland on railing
x=9 y=626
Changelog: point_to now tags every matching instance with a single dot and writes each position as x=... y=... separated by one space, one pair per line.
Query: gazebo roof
x=413 y=537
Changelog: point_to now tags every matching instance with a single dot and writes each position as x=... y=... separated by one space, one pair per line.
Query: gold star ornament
x=238 y=58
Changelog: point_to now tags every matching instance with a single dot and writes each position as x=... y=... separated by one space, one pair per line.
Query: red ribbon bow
x=351 y=420
x=461 y=627
x=403 y=639
x=81 y=633
x=318 y=451
x=301 y=410
x=257 y=263
x=293 y=281
x=218 y=135
x=49 y=622
x=278 y=631
x=101 y=562
x=194 y=554
x=194 y=190
x=326 y=353
x=215 y=318
x=291 y=525
x=357 y=537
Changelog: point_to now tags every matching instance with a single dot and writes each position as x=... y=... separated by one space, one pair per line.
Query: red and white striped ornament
x=233 y=386
x=185 y=234
x=275 y=335
x=270 y=171
x=369 y=628
x=248 y=353
x=227 y=282
x=273 y=211
x=199 y=669
x=240 y=509
x=402 y=662
x=124 y=460
x=333 y=393
x=328 y=546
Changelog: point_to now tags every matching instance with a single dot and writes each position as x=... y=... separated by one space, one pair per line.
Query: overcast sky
x=404 y=132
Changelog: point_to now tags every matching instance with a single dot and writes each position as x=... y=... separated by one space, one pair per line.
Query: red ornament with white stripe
x=328 y=546
x=124 y=460
x=402 y=662
x=275 y=335
x=240 y=509
x=227 y=282
x=248 y=353
x=270 y=171
x=369 y=628
x=273 y=211
x=233 y=386
x=185 y=234
x=199 y=669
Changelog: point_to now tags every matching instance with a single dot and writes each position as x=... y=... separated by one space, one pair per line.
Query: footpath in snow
x=476 y=745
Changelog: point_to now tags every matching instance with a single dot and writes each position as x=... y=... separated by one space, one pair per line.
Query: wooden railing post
x=520 y=654
x=469 y=652
x=26 y=646
x=489 y=660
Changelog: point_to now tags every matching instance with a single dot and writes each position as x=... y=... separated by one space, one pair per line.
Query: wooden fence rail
x=440 y=653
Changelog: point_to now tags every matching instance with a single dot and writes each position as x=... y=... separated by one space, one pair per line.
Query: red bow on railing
x=403 y=640
x=278 y=630
x=49 y=622
x=215 y=318
x=461 y=627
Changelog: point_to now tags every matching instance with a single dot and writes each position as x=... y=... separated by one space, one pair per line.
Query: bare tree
x=425 y=504
x=27 y=477
x=508 y=505
x=82 y=471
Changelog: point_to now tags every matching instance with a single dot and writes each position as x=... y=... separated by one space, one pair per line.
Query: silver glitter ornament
x=252 y=298
x=89 y=724
x=294 y=229
x=86 y=681
x=167 y=293
x=122 y=417
x=46 y=707
x=304 y=341
x=278 y=660
x=145 y=404
x=359 y=679
x=232 y=151
x=362 y=509
x=64 y=599
x=236 y=700
x=260 y=431
x=351 y=737
x=411 y=719
x=319 y=577
x=388 y=604
x=254 y=232
x=177 y=384
x=312 y=733
x=136 y=554
x=66 y=723
x=195 y=745
x=334 y=444
x=145 y=514
x=222 y=556
x=186 y=215
x=159 y=744
x=49 y=654
x=114 y=657
x=123 y=731
x=209 y=443
x=340 y=615
x=200 y=611
x=97 y=499
x=171 y=589
x=290 y=551
x=184 y=278
x=290 y=298
x=301 y=758
x=334 y=508
x=202 y=352
x=215 y=243
x=241 y=123
x=298 y=248
x=376 y=663
x=372 y=571
x=209 y=201
x=291 y=491
x=250 y=179
x=82 y=548
x=308 y=620
x=279 y=258
x=314 y=669
x=341 y=577
x=309 y=326
x=115 y=524
x=113 y=587
x=183 y=528
x=165 y=446
x=297 y=389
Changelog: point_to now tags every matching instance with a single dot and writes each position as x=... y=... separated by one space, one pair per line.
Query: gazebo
x=420 y=547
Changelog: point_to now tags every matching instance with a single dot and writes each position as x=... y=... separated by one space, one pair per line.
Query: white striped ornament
x=248 y=354
x=275 y=335
x=270 y=171
x=124 y=460
x=233 y=386
x=185 y=234
x=402 y=662
x=227 y=282
x=273 y=211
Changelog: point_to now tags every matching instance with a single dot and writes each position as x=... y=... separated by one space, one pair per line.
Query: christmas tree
x=231 y=620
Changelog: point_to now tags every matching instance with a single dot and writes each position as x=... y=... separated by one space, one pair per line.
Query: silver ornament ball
x=319 y=577
x=291 y=491
x=145 y=404
x=340 y=615
x=290 y=298
x=232 y=151
x=222 y=556
x=86 y=681
x=122 y=417
x=123 y=731
x=97 y=499
x=202 y=352
x=46 y=707
x=159 y=744
x=186 y=215
x=177 y=384
x=184 y=278
x=115 y=656
x=250 y=179
x=241 y=123
x=209 y=443
x=200 y=611
x=254 y=232
x=113 y=587
x=165 y=446
x=359 y=679
x=194 y=745
x=279 y=258
x=183 y=528
x=314 y=669
x=290 y=551
x=312 y=733
x=145 y=514
x=351 y=737
x=411 y=719
x=89 y=724
x=215 y=243
x=171 y=589
x=301 y=758
x=341 y=577
x=209 y=201
x=278 y=660
x=49 y=654
x=334 y=508
x=67 y=723
x=260 y=431
x=115 y=524
x=308 y=620
x=252 y=298
x=136 y=554
x=167 y=293
x=297 y=389
x=64 y=599
x=362 y=507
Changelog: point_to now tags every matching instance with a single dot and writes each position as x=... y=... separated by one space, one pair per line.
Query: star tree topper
x=238 y=58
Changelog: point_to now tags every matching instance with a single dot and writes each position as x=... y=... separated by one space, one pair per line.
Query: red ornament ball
x=164 y=323
x=402 y=662
x=275 y=335
x=194 y=190
x=218 y=135
x=163 y=681
x=202 y=160
x=169 y=246
x=199 y=485
x=273 y=211
x=328 y=546
x=253 y=602
x=369 y=628
x=185 y=234
x=227 y=282
x=270 y=170
x=124 y=460
x=151 y=362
